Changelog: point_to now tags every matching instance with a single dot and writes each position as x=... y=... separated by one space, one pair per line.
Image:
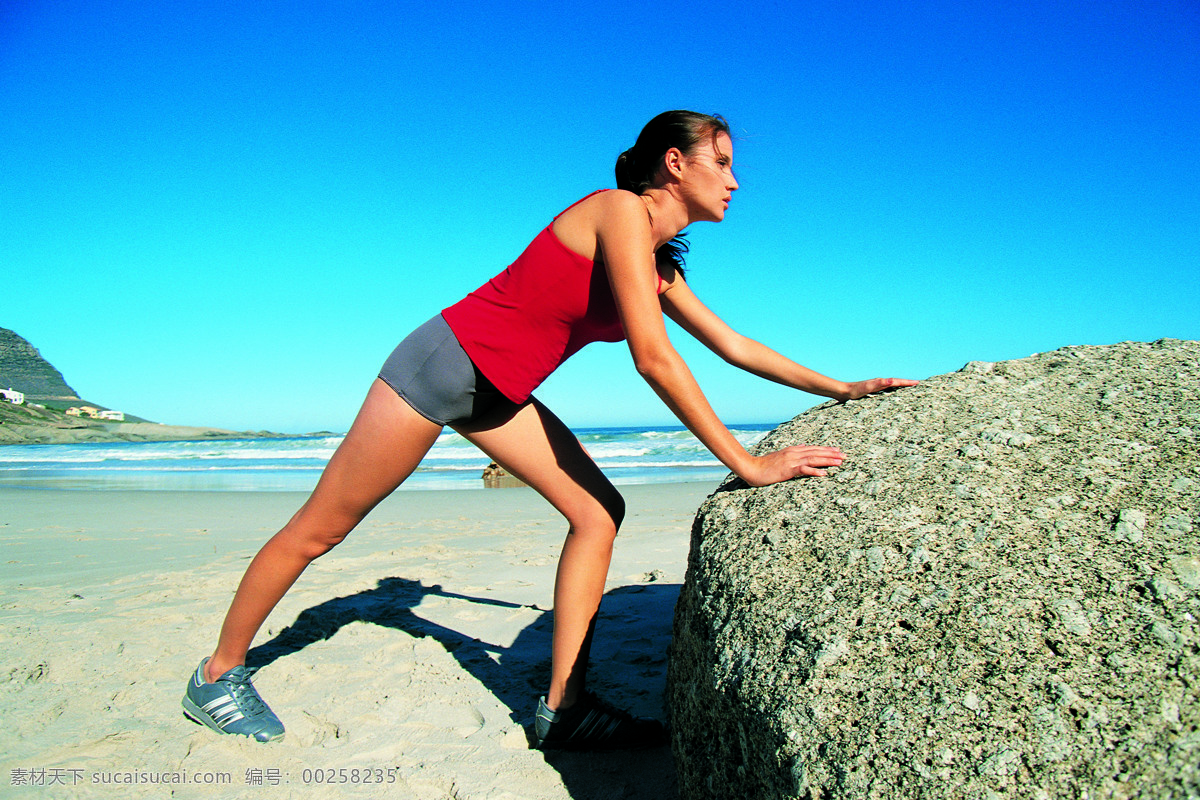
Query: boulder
x=996 y=595
x=496 y=477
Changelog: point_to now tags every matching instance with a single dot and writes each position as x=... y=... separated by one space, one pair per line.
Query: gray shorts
x=435 y=376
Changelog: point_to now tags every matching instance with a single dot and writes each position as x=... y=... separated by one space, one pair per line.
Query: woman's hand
x=791 y=462
x=863 y=388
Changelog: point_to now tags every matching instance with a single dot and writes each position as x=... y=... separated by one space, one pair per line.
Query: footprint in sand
x=462 y=720
x=321 y=731
x=638 y=652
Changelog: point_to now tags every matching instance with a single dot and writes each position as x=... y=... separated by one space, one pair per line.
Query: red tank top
x=522 y=324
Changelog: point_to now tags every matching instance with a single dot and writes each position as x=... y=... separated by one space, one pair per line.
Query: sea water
x=662 y=454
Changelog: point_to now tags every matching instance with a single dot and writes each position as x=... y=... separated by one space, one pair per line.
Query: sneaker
x=231 y=704
x=592 y=724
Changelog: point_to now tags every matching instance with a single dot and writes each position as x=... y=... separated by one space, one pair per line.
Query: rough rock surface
x=996 y=595
x=23 y=368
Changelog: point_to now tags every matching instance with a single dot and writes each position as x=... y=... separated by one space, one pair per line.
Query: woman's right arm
x=626 y=243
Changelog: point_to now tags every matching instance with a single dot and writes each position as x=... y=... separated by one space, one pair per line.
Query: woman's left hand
x=864 y=388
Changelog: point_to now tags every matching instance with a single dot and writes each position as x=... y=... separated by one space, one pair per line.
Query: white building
x=13 y=396
x=119 y=416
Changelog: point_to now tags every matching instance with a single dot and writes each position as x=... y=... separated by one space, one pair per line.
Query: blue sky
x=229 y=213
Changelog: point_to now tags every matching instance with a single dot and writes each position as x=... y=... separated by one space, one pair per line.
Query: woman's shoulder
x=602 y=208
x=609 y=206
x=602 y=200
x=617 y=199
x=612 y=212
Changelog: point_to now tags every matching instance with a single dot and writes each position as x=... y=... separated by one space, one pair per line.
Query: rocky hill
x=42 y=418
x=997 y=595
x=23 y=368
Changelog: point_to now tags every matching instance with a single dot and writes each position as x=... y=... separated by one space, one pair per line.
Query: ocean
x=633 y=455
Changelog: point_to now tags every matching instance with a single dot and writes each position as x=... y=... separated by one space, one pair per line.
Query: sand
x=406 y=663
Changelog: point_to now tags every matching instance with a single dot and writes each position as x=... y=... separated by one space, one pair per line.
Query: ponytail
x=626 y=170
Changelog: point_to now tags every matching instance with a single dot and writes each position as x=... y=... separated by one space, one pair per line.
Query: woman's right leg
x=384 y=445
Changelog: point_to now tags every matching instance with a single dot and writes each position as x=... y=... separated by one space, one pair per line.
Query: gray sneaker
x=230 y=704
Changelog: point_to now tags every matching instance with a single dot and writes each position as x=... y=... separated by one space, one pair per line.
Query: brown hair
x=638 y=166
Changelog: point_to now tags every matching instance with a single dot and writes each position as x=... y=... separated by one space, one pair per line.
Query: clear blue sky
x=228 y=213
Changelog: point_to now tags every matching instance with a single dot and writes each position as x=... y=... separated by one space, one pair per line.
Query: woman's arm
x=681 y=304
x=626 y=244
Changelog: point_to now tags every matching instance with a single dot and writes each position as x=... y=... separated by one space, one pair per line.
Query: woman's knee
x=602 y=519
x=313 y=547
x=312 y=538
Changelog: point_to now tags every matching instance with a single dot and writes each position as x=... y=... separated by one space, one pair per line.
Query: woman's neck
x=668 y=215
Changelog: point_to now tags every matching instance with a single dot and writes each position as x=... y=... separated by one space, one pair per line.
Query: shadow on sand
x=628 y=661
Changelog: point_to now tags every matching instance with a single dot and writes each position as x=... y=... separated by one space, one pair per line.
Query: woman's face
x=707 y=181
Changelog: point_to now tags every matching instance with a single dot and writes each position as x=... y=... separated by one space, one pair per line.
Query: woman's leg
x=384 y=445
x=533 y=444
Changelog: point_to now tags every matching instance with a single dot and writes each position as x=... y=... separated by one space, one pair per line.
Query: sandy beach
x=406 y=663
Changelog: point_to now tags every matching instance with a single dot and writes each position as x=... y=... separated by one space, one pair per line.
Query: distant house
x=95 y=413
x=13 y=396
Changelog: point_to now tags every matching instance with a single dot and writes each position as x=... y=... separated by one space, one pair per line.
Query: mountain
x=23 y=368
x=42 y=419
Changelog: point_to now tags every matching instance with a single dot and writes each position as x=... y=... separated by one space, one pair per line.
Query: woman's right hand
x=796 y=461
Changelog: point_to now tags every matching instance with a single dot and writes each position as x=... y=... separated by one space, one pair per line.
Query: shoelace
x=244 y=694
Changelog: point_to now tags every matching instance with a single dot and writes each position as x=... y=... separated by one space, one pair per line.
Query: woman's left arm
x=680 y=303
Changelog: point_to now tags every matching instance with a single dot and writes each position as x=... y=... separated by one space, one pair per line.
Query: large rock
x=996 y=595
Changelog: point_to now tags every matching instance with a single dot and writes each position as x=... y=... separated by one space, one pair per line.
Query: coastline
x=48 y=422
x=416 y=648
x=89 y=431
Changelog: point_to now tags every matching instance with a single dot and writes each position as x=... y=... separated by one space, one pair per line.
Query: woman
x=607 y=268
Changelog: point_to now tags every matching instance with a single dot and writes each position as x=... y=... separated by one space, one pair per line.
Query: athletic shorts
x=435 y=376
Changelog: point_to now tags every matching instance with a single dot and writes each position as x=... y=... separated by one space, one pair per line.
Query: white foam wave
x=616 y=451
x=662 y=464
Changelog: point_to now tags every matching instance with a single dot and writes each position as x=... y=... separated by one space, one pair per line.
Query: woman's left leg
x=534 y=445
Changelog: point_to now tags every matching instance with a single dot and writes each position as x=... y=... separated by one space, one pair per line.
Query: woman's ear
x=673 y=162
